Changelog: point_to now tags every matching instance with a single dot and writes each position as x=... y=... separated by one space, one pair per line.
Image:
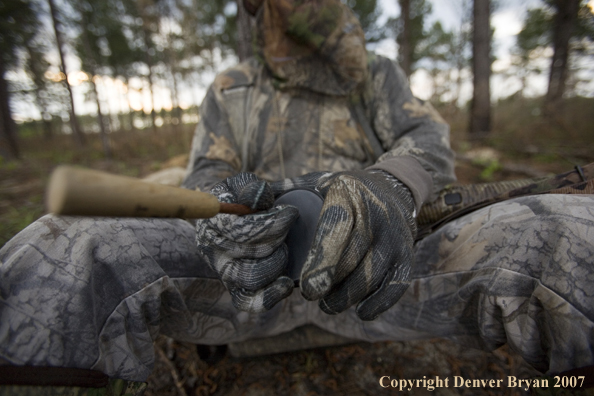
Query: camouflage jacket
x=250 y=122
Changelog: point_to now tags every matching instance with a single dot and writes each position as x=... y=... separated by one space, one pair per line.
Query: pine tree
x=480 y=110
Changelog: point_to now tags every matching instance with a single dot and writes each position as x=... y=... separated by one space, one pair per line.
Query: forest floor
x=523 y=144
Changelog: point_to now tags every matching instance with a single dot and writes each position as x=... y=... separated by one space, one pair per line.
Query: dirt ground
x=353 y=369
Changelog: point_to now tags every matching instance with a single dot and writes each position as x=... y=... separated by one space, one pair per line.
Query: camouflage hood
x=314 y=44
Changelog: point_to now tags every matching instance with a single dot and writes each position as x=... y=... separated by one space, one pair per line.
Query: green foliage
x=419 y=9
x=537 y=34
x=368 y=12
x=530 y=42
x=17 y=219
x=443 y=54
x=18 y=26
x=491 y=167
x=437 y=45
x=7 y=165
x=583 y=35
x=165 y=43
x=536 y=31
x=101 y=41
x=208 y=25
x=585 y=23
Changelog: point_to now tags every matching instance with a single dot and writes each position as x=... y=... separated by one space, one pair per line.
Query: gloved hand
x=363 y=248
x=248 y=252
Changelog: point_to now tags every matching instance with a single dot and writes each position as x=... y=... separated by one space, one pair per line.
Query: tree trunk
x=480 y=112
x=150 y=81
x=48 y=132
x=461 y=42
x=104 y=137
x=93 y=70
x=131 y=111
x=39 y=87
x=146 y=38
x=404 y=38
x=46 y=117
x=244 y=32
x=76 y=132
x=149 y=63
x=8 y=141
x=175 y=109
x=565 y=18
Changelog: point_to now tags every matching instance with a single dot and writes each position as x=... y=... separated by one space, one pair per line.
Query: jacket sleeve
x=415 y=138
x=215 y=154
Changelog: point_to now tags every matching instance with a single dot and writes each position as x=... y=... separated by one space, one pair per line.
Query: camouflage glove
x=363 y=248
x=248 y=252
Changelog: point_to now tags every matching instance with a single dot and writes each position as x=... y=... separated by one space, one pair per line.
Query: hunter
x=313 y=109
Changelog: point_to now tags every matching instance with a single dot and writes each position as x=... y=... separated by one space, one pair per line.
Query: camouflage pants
x=94 y=293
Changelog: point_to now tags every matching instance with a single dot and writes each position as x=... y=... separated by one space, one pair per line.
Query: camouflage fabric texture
x=354 y=259
x=249 y=125
x=94 y=293
x=249 y=253
x=455 y=201
x=318 y=45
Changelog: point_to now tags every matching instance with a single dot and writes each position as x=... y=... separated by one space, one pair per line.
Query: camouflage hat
x=314 y=44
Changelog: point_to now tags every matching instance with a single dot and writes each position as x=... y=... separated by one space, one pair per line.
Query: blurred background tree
x=369 y=12
x=18 y=22
x=60 y=24
x=480 y=105
x=122 y=65
x=410 y=32
x=568 y=28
